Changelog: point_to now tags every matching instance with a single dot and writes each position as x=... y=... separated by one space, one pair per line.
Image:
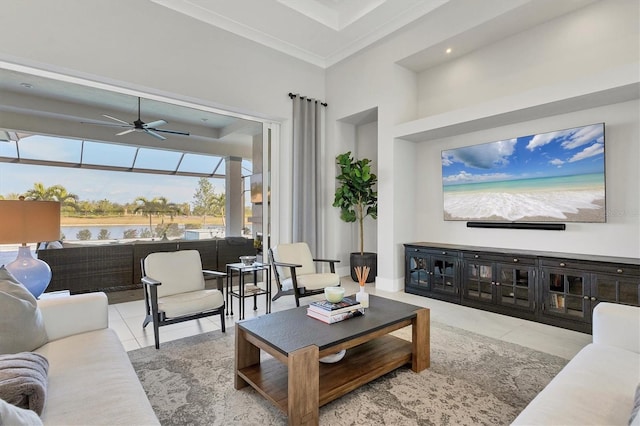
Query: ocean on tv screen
x=551 y=177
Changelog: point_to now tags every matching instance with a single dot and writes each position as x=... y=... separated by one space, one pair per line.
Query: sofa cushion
x=596 y=387
x=21 y=325
x=12 y=415
x=91 y=381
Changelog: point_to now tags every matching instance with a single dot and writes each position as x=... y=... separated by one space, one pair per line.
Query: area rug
x=473 y=380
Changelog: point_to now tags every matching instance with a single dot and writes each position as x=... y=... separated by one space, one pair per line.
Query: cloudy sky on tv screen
x=550 y=177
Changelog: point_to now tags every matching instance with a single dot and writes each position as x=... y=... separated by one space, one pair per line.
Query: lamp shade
x=24 y=221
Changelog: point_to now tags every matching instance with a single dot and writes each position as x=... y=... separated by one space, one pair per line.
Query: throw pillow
x=21 y=325
x=12 y=415
x=634 y=420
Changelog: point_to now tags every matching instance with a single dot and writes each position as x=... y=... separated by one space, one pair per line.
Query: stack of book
x=334 y=312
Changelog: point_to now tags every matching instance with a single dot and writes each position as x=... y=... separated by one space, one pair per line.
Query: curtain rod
x=293 y=95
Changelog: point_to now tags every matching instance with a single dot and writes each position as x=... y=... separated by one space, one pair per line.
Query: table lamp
x=29 y=222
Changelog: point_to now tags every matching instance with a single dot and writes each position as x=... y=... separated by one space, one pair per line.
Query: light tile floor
x=126 y=319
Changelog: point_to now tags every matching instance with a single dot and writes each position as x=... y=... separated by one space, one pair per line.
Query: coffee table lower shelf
x=361 y=364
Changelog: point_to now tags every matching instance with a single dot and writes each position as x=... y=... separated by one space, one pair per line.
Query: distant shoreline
x=136 y=220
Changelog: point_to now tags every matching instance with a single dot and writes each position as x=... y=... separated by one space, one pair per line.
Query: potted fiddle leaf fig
x=357 y=198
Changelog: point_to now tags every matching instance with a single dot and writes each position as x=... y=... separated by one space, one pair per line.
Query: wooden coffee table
x=297 y=383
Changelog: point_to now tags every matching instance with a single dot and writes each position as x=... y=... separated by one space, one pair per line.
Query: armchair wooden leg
x=147 y=320
x=154 y=315
x=156 y=334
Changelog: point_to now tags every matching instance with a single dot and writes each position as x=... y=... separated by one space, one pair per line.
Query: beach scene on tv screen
x=549 y=177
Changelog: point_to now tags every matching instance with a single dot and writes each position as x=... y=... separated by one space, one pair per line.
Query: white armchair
x=174 y=290
x=296 y=274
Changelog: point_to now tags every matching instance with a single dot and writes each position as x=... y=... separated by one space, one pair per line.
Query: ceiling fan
x=140 y=126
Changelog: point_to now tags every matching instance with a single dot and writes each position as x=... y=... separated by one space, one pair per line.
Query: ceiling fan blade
x=154 y=134
x=175 y=132
x=115 y=119
x=106 y=124
x=154 y=124
x=125 y=132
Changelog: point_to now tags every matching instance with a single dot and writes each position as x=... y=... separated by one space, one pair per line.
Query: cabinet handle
x=593 y=299
x=476 y=257
x=493 y=283
x=444 y=252
x=515 y=260
x=430 y=272
x=563 y=264
x=585 y=297
x=619 y=271
x=497 y=283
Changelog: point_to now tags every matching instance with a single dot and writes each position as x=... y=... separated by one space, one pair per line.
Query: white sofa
x=91 y=380
x=597 y=387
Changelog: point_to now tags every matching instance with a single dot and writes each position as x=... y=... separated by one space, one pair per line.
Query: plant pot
x=365 y=259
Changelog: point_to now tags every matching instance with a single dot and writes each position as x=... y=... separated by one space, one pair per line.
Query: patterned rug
x=472 y=380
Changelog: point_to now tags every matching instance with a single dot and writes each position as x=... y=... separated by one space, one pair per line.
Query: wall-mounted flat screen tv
x=549 y=177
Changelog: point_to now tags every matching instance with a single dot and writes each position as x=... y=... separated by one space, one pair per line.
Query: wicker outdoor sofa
x=116 y=266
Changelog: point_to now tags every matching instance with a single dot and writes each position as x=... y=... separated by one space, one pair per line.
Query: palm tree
x=165 y=207
x=145 y=206
x=53 y=193
x=157 y=205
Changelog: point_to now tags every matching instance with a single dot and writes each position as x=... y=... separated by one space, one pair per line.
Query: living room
x=515 y=69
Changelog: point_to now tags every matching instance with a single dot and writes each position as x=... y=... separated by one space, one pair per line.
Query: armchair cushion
x=181 y=271
x=21 y=326
x=297 y=253
x=313 y=281
x=181 y=304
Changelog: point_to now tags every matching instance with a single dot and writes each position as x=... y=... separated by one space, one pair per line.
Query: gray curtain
x=307 y=134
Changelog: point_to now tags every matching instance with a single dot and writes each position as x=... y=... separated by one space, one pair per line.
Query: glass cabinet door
x=566 y=294
x=478 y=281
x=418 y=268
x=443 y=277
x=515 y=286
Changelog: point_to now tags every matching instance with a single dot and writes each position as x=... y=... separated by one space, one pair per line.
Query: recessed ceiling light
x=449 y=50
x=26 y=85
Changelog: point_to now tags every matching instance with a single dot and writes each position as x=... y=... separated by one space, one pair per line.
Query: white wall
x=589 y=41
x=579 y=46
x=367 y=147
x=142 y=46
x=619 y=236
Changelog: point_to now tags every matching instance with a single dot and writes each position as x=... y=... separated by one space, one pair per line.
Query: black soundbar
x=518 y=225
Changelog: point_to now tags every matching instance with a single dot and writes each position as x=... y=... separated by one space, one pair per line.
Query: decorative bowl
x=334 y=294
x=330 y=359
x=248 y=260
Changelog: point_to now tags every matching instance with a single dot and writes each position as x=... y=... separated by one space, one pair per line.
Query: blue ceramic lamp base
x=33 y=273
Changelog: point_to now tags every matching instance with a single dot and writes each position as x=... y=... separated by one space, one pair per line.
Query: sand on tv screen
x=549 y=177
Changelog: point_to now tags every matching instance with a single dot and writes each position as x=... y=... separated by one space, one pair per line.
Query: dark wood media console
x=553 y=288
